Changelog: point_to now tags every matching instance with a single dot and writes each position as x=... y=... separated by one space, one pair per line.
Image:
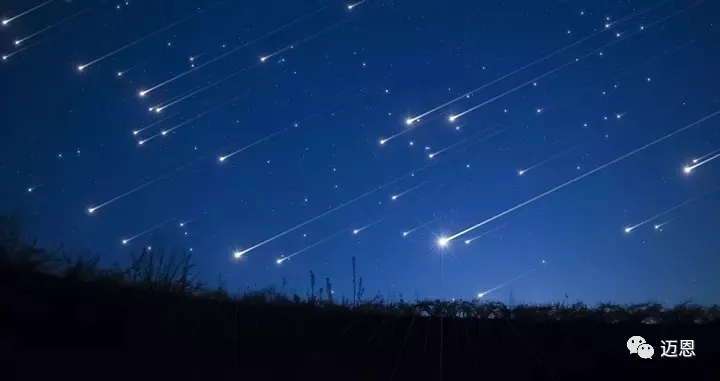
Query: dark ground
x=64 y=329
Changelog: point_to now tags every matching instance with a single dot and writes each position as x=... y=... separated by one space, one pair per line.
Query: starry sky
x=332 y=113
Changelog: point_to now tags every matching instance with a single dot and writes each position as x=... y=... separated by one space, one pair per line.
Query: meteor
x=152 y=34
x=8 y=21
x=32 y=188
x=55 y=25
x=550 y=72
x=360 y=197
x=433 y=154
x=501 y=285
x=135 y=132
x=358 y=230
x=91 y=210
x=182 y=224
x=283 y=259
x=469 y=241
x=201 y=89
x=396 y=196
x=678 y=206
x=351 y=6
x=412 y=120
x=576 y=179
x=125 y=241
x=551 y=158
x=206 y=63
x=659 y=227
x=689 y=169
x=411 y=126
x=304 y=40
x=7 y=56
x=406 y=233
x=698 y=159
x=185 y=123
x=231 y=154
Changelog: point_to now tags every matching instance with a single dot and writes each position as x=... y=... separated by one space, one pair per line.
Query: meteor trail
x=63 y=21
x=8 y=21
x=206 y=63
x=452 y=118
x=666 y=211
x=469 y=241
x=406 y=233
x=396 y=196
x=659 y=226
x=551 y=158
x=362 y=196
x=541 y=59
x=523 y=275
x=135 y=132
x=351 y=6
x=358 y=230
x=201 y=89
x=283 y=259
x=691 y=168
x=231 y=154
x=304 y=40
x=93 y=209
x=182 y=224
x=697 y=159
x=185 y=123
x=120 y=49
x=6 y=57
x=444 y=241
x=125 y=241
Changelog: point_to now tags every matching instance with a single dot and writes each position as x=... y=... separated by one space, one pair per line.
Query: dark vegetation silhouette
x=66 y=317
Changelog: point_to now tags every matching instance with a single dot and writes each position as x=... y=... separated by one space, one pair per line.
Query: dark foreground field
x=63 y=328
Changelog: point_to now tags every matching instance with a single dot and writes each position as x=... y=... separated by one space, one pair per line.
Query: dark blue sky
x=68 y=135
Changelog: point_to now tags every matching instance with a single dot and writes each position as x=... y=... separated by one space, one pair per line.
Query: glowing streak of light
x=551 y=158
x=182 y=224
x=408 y=232
x=452 y=118
x=206 y=63
x=351 y=6
x=55 y=25
x=185 y=123
x=304 y=40
x=405 y=131
x=469 y=241
x=432 y=155
x=231 y=154
x=501 y=285
x=93 y=209
x=136 y=132
x=576 y=179
x=701 y=158
x=201 y=89
x=360 y=229
x=691 y=168
x=541 y=59
x=521 y=123
x=343 y=205
x=7 y=56
x=660 y=225
x=8 y=21
x=666 y=211
x=125 y=241
x=396 y=196
x=283 y=259
x=141 y=39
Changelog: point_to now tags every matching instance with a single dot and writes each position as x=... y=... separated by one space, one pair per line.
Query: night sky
x=320 y=104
